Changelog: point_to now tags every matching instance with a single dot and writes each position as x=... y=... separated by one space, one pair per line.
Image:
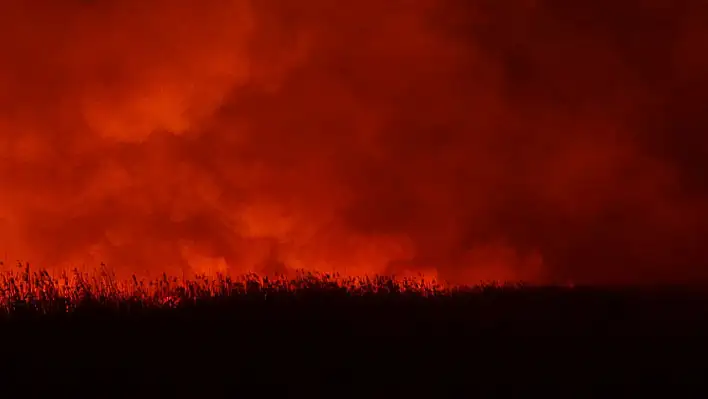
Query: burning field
x=372 y=154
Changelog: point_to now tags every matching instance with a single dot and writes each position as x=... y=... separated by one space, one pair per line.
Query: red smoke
x=538 y=140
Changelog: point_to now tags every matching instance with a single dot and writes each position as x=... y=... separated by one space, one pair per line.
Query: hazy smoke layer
x=542 y=140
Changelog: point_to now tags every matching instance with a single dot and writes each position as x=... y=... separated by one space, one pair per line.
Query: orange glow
x=471 y=140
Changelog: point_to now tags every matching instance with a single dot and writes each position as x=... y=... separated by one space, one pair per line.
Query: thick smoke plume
x=544 y=140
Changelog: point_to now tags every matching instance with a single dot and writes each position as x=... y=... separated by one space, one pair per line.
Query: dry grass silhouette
x=46 y=293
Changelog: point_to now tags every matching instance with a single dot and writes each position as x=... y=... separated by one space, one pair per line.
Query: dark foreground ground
x=569 y=342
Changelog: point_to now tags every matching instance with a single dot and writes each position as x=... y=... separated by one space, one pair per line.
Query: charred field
x=406 y=333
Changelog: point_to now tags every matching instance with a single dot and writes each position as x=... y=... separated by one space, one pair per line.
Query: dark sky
x=544 y=140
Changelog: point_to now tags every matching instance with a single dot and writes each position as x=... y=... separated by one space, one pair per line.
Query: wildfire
x=459 y=139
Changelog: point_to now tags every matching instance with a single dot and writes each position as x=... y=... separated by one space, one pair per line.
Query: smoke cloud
x=542 y=140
